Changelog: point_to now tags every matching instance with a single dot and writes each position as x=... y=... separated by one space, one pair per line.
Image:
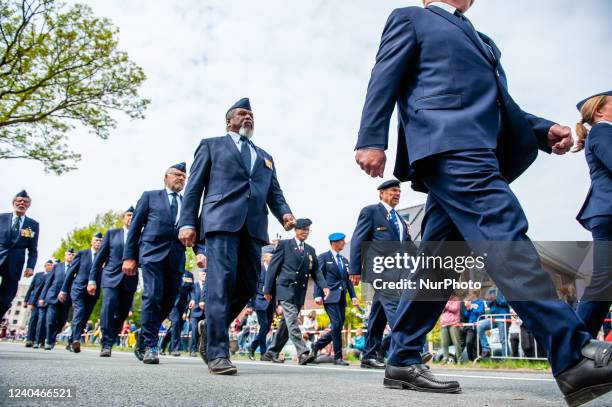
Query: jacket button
x=304 y=285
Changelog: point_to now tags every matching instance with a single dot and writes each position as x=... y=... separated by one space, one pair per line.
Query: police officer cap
x=302 y=223
x=180 y=166
x=336 y=237
x=22 y=194
x=582 y=102
x=98 y=235
x=130 y=210
x=243 y=103
x=389 y=184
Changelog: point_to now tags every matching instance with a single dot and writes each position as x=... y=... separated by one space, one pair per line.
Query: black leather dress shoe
x=105 y=352
x=49 y=347
x=372 y=364
x=306 y=358
x=202 y=342
x=76 y=346
x=36 y=346
x=222 y=366
x=591 y=377
x=28 y=344
x=69 y=348
x=341 y=362
x=139 y=351
x=419 y=378
x=426 y=357
x=151 y=357
x=251 y=354
x=267 y=357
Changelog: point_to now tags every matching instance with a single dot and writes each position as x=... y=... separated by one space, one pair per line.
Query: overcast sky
x=305 y=65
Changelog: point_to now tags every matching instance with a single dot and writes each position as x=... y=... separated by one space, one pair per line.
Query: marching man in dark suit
x=335 y=270
x=462 y=138
x=292 y=263
x=117 y=288
x=178 y=315
x=153 y=244
x=263 y=308
x=197 y=309
x=56 y=313
x=75 y=284
x=31 y=301
x=234 y=183
x=18 y=233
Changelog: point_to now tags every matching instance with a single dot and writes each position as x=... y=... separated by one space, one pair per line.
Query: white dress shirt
x=443 y=6
x=21 y=220
x=236 y=138
x=604 y=121
x=400 y=224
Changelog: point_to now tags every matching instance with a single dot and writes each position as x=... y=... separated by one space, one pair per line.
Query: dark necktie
x=395 y=222
x=301 y=247
x=245 y=152
x=473 y=29
x=174 y=207
x=339 y=264
x=15 y=229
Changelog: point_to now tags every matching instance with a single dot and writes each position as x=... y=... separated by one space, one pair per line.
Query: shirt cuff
x=186 y=227
x=91 y=282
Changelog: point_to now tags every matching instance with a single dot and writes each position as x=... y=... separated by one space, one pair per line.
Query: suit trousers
x=161 y=286
x=289 y=328
x=82 y=305
x=336 y=313
x=41 y=325
x=32 y=323
x=57 y=315
x=382 y=312
x=195 y=335
x=470 y=200
x=234 y=261
x=264 y=319
x=116 y=305
x=8 y=288
x=176 y=317
x=593 y=309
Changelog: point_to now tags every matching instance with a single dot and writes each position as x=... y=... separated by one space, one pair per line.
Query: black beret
x=302 y=223
x=389 y=184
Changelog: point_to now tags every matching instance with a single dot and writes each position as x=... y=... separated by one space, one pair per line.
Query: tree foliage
x=60 y=67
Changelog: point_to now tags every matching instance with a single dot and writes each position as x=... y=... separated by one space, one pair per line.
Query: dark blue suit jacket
x=449 y=91
x=337 y=282
x=53 y=284
x=153 y=235
x=231 y=196
x=197 y=295
x=106 y=268
x=373 y=225
x=13 y=252
x=36 y=286
x=258 y=302
x=598 y=154
x=288 y=272
x=77 y=275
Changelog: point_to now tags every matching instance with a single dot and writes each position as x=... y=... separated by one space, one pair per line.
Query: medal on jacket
x=27 y=232
x=269 y=164
x=309 y=262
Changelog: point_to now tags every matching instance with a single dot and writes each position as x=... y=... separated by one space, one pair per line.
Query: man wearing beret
x=57 y=311
x=152 y=242
x=75 y=284
x=117 y=288
x=178 y=315
x=263 y=308
x=18 y=234
x=292 y=263
x=335 y=270
x=378 y=222
x=31 y=300
x=463 y=139
x=234 y=183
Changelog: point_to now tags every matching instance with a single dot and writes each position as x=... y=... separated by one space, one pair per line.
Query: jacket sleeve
x=71 y=273
x=198 y=178
x=601 y=143
x=350 y=288
x=540 y=128
x=318 y=292
x=28 y=295
x=362 y=233
x=139 y=220
x=276 y=199
x=398 y=46
x=278 y=258
x=203 y=292
x=317 y=275
x=33 y=249
x=100 y=259
x=48 y=283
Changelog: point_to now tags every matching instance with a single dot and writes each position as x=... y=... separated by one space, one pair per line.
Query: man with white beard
x=238 y=183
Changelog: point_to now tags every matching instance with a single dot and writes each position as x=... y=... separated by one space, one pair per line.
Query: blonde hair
x=587 y=112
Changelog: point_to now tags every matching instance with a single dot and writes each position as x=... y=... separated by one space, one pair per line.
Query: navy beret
x=302 y=223
x=22 y=194
x=243 y=103
x=388 y=184
x=335 y=237
x=180 y=166
x=71 y=250
x=98 y=235
x=49 y=262
x=582 y=102
x=268 y=249
x=130 y=210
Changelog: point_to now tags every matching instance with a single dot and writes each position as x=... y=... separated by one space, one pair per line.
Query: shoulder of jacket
x=408 y=12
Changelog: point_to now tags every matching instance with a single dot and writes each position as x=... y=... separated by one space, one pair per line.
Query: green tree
x=60 y=67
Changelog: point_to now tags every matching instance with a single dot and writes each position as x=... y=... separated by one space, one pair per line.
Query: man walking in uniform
x=238 y=183
x=178 y=315
x=198 y=313
x=152 y=243
x=263 y=308
x=31 y=300
x=462 y=139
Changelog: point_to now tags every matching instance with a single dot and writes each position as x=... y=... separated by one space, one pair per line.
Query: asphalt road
x=124 y=381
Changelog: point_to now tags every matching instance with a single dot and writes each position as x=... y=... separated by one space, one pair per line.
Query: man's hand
x=91 y=289
x=326 y=292
x=191 y=304
x=355 y=301
x=41 y=302
x=187 y=237
x=560 y=139
x=201 y=304
x=372 y=161
x=28 y=273
x=201 y=261
x=355 y=279
x=61 y=297
x=25 y=304
x=288 y=221
x=319 y=301
x=130 y=267
x=268 y=297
